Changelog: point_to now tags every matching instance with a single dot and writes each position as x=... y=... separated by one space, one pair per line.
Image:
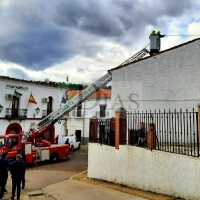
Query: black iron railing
x=46 y=113
x=176 y=132
x=20 y=114
x=106 y=132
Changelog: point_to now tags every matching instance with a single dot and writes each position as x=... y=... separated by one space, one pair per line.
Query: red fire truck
x=35 y=148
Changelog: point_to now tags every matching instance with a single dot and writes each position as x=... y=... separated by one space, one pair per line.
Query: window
x=49 y=105
x=14 y=141
x=15 y=106
x=102 y=110
x=2 y=142
x=79 y=108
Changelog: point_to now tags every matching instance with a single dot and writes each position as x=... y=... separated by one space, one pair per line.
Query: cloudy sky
x=82 y=39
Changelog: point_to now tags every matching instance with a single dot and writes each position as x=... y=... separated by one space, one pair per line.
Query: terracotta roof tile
x=101 y=93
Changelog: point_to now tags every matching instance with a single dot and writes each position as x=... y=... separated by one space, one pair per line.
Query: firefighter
x=153 y=32
x=56 y=139
x=67 y=141
x=155 y=42
x=4 y=167
x=158 y=33
x=17 y=170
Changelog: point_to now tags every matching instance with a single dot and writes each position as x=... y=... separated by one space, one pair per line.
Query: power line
x=29 y=78
x=184 y=35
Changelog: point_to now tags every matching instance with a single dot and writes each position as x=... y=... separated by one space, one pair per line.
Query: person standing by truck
x=56 y=139
x=4 y=167
x=17 y=170
x=21 y=152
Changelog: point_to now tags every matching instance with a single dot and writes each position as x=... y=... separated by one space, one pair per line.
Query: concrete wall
x=167 y=80
x=155 y=171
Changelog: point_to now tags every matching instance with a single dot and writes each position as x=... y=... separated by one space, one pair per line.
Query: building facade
x=167 y=80
x=98 y=105
x=24 y=103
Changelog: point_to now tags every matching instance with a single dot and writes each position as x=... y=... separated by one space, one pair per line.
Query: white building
x=98 y=105
x=169 y=79
x=18 y=114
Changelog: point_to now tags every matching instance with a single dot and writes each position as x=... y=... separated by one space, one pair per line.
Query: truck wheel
x=54 y=157
x=72 y=148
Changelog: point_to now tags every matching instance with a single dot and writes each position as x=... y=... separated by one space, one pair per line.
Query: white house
x=98 y=105
x=18 y=113
x=169 y=79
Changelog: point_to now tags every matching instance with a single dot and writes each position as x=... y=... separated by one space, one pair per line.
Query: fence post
x=129 y=136
x=151 y=137
x=199 y=124
x=93 y=132
x=120 y=127
x=112 y=131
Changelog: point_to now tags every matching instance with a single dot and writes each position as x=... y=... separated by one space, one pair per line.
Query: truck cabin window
x=2 y=142
x=14 y=141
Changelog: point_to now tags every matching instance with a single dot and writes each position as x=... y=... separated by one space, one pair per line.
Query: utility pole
x=66 y=130
x=83 y=122
x=67 y=89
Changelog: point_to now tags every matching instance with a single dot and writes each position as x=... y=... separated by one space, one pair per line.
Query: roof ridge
x=175 y=47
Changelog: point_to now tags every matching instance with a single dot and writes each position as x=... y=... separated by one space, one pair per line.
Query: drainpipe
x=83 y=121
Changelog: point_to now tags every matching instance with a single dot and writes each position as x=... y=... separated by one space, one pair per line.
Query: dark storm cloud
x=92 y=16
x=44 y=34
x=36 y=49
x=115 y=17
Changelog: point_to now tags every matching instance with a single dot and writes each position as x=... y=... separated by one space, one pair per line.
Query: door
x=49 y=105
x=78 y=134
x=15 y=106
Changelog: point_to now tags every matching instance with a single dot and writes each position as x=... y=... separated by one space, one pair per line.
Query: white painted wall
x=167 y=80
x=155 y=171
x=39 y=92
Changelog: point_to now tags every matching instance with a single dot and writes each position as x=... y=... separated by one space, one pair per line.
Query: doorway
x=78 y=134
x=15 y=106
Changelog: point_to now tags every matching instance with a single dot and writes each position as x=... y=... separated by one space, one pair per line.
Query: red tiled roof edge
x=95 y=95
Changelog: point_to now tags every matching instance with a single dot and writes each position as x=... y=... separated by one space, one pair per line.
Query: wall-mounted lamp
x=37 y=110
x=1 y=108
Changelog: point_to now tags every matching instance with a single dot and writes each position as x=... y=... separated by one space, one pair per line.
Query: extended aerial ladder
x=79 y=98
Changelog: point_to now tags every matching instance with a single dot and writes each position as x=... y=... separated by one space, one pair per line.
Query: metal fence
x=176 y=132
x=106 y=132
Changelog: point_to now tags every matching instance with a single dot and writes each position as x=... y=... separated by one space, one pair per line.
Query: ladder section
x=135 y=57
x=74 y=102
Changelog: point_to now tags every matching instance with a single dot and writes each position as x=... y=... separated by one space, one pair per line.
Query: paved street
x=68 y=180
x=50 y=173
